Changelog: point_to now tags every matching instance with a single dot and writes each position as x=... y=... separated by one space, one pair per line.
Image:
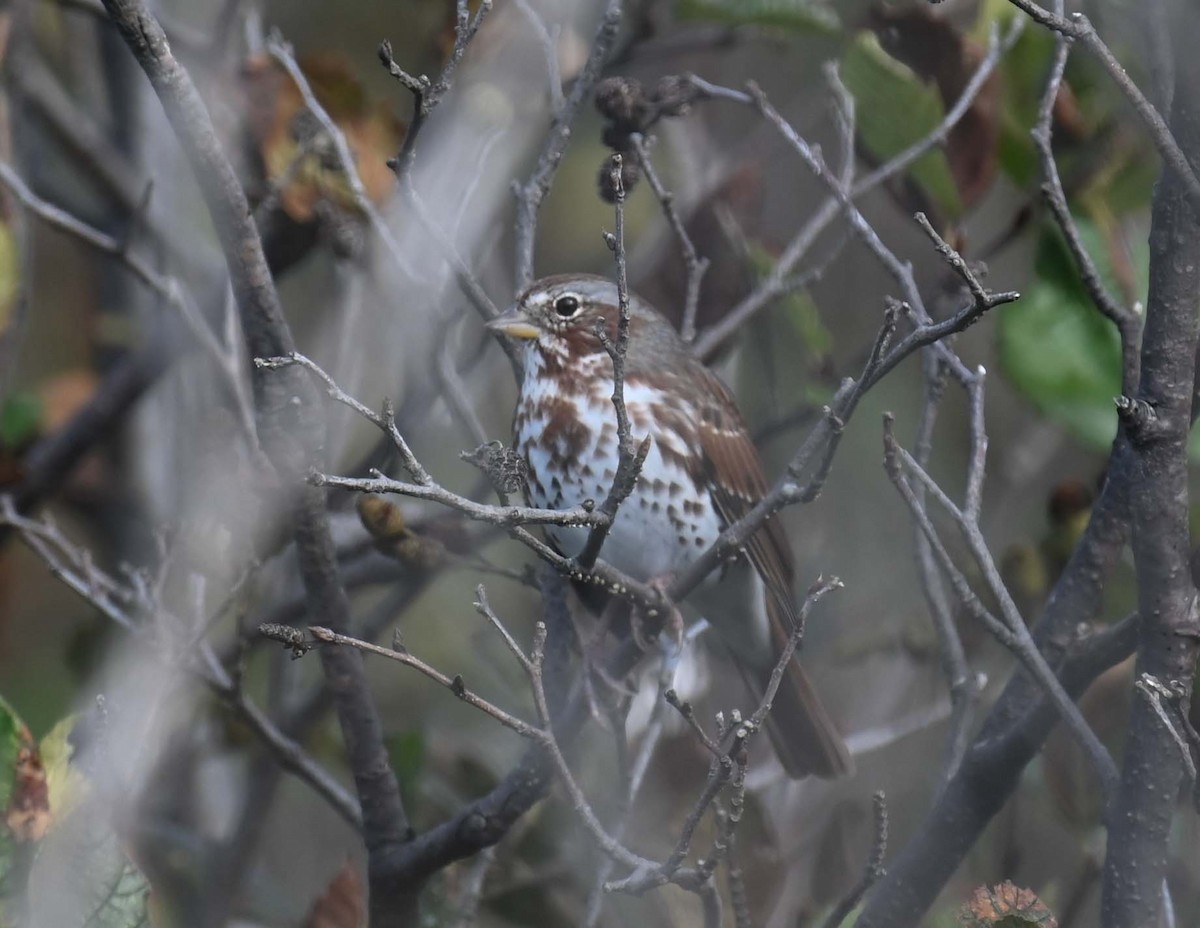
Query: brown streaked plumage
x=702 y=474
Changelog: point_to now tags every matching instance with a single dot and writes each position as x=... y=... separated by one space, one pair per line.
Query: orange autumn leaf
x=276 y=119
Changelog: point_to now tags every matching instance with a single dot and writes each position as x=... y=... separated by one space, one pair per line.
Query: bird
x=701 y=473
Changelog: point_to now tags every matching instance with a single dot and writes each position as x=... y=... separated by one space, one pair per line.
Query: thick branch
x=1158 y=423
x=987 y=776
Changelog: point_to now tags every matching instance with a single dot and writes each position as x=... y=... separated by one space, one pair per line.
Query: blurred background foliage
x=67 y=320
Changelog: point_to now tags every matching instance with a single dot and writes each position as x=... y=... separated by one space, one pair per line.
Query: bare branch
x=428 y=94
x=532 y=192
x=1126 y=320
x=874 y=871
x=774 y=285
x=455 y=684
x=1169 y=646
x=694 y=266
x=962 y=683
x=129 y=606
x=1012 y=631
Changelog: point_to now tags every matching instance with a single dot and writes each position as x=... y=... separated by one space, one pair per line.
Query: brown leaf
x=28 y=812
x=934 y=50
x=275 y=116
x=342 y=905
x=1005 y=906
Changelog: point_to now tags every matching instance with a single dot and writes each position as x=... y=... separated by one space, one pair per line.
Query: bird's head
x=561 y=315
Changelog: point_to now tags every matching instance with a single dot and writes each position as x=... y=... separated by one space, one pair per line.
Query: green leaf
x=894 y=111
x=797 y=15
x=797 y=306
x=1057 y=349
x=406 y=751
x=67 y=784
x=20 y=418
x=805 y=317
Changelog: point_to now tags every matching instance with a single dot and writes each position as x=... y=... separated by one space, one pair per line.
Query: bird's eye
x=566 y=306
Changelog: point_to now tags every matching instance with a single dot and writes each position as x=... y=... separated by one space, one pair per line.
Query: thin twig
x=770 y=288
x=73 y=565
x=688 y=712
x=694 y=266
x=455 y=684
x=874 y=871
x=845 y=118
x=630 y=457
x=484 y=608
x=531 y=194
x=1156 y=692
x=385 y=421
x=961 y=682
x=1127 y=321
x=1012 y=631
x=428 y=94
x=726 y=766
x=633 y=785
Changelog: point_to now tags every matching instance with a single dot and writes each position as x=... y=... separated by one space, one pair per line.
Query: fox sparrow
x=702 y=473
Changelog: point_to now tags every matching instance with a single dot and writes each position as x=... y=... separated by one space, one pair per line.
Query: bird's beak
x=514 y=324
